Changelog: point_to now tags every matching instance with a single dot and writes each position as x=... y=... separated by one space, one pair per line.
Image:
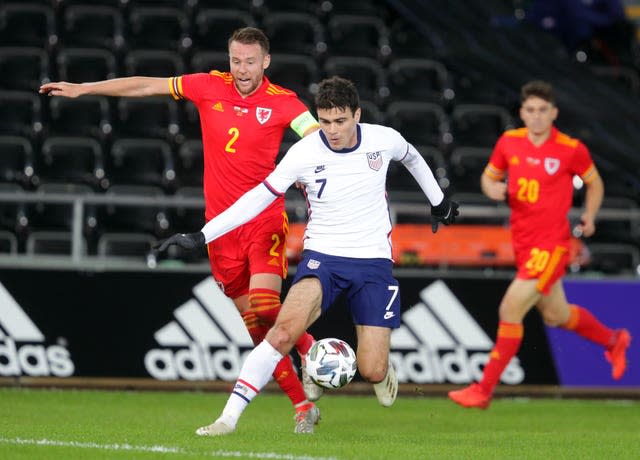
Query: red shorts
x=545 y=262
x=259 y=246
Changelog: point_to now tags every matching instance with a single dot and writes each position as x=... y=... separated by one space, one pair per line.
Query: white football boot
x=387 y=390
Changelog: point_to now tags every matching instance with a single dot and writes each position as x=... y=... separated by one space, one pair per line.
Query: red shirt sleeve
x=190 y=86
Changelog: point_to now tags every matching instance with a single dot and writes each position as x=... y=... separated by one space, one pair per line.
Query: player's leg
x=373 y=362
x=520 y=296
x=265 y=243
x=300 y=309
x=374 y=301
x=556 y=311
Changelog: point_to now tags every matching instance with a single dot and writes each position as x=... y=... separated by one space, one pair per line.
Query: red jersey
x=241 y=136
x=540 y=183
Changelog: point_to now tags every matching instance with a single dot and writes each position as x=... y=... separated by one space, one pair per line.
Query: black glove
x=445 y=213
x=188 y=241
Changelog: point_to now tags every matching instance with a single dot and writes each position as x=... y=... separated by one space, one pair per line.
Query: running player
x=347 y=245
x=243 y=119
x=540 y=163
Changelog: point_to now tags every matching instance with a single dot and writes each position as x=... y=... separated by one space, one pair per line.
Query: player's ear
x=554 y=112
x=266 y=61
x=357 y=114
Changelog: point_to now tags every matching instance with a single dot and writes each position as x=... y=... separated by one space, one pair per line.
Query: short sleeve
x=497 y=166
x=190 y=86
x=582 y=163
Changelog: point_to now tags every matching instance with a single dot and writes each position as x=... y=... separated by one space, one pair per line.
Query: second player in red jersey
x=539 y=163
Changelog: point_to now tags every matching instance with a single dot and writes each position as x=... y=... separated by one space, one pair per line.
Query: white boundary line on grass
x=159 y=449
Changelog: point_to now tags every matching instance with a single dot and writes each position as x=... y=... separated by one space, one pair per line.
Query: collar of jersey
x=346 y=150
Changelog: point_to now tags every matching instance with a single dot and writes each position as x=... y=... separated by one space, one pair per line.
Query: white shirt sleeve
x=421 y=172
x=242 y=211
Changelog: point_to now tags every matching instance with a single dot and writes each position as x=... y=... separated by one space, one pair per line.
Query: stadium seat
x=153 y=63
x=16 y=161
x=614 y=258
x=244 y=5
x=87 y=116
x=8 y=243
x=491 y=217
x=78 y=65
x=421 y=123
x=295 y=72
x=23 y=68
x=92 y=26
x=141 y=162
x=137 y=215
x=52 y=243
x=365 y=72
x=288 y=6
x=407 y=41
x=190 y=126
x=295 y=33
x=206 y=61
x=158 y=28
x=57 y=216
x=13 y=214
x=76 y=160
x=212 y=27
x=357 y=35
x=479 y=125
x=134 y=246
x=188 y=219
x=21 y=114
x=467 y=165
x=190 y=164
x=27 y=25
x=360 y=7
x=151 y=117
x=419 y=80
x=370 y=113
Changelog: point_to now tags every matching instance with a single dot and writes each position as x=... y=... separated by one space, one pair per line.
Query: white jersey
x=346 y=195
x=346 y=190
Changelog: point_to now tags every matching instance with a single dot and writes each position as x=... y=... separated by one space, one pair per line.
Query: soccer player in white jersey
x=347 y=243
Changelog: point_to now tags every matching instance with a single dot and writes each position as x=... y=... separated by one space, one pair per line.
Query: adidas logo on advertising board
x=440 y=342
x=207 y=341
x=22 y=348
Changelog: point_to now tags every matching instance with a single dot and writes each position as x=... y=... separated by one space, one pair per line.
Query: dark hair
x=538 y=88
x=337 y=92
x=249 y=36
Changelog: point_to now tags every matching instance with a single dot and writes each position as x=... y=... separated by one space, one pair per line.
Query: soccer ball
x=331 y=363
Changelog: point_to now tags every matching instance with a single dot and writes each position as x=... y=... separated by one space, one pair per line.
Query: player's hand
x=445 y=213
x=188 y=241
x=497 y=190
x=585 y=228
x=62 y=88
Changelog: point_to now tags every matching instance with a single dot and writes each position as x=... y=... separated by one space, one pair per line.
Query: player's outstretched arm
x=246 y=208
x=125 y=87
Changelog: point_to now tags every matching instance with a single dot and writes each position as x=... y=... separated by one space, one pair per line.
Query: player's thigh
x=300 y=309
x=554 y=307
x=520 y=297
x=265 y=241
x=373 y=351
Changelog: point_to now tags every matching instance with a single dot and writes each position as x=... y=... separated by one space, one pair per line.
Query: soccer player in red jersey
x=540 y=163
x=243 y=119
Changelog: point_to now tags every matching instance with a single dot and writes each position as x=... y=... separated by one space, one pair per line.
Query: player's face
x=538 y=115
x=247 y=64
x=339 y=126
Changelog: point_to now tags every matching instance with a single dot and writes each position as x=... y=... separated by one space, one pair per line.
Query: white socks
x=254 y=375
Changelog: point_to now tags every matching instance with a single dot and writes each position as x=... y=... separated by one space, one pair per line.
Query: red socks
x=507 y=345
x=582 y=322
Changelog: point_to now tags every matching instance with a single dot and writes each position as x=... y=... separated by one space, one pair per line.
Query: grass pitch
x=69 y=424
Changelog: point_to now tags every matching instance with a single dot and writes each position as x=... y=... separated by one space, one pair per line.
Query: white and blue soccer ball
x=331 y=363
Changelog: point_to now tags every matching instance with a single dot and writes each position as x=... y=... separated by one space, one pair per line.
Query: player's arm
x=443 y=210
x=125 y=87
x=594 y=195
x=242 y=211
x=493 y=187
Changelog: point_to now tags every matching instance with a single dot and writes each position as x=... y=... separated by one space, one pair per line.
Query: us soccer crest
x=551 y=165
x=375 y=160
x=263 y=115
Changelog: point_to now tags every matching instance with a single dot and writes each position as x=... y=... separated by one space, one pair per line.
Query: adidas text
x=34 y=360
x=195 y=363
x=457 y=366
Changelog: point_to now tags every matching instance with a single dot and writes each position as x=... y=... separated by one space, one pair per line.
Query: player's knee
x=372 y=372
x=281 y=337
x=553 y=318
